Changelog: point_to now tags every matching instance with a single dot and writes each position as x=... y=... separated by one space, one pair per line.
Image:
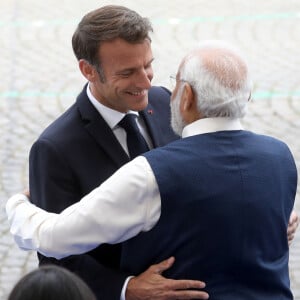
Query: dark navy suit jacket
x=75 y=154
x=226 y=198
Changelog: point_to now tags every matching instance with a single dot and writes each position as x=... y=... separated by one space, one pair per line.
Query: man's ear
x=87 y=70
x=187 y=99
x=188 y=107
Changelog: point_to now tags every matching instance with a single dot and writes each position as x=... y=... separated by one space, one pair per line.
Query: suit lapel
x=96 y=126
x=153 y=129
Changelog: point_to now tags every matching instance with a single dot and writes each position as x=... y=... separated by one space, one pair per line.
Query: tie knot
x=129 y=123
x=135 y=141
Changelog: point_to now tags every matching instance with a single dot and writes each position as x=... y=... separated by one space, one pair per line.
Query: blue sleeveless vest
x=226 y=198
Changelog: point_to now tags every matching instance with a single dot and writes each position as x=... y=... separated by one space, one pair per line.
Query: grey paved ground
x=39 y=79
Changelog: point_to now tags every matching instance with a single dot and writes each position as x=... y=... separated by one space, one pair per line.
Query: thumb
x=164 y=265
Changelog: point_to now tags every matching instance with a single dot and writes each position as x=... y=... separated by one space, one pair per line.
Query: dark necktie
x=135 y=142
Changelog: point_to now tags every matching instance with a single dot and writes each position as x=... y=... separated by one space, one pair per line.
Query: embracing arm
x=79 y=228
x=149 y=285
x=90 y=222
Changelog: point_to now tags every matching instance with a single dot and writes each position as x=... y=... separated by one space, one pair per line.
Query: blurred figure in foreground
x=51 y=283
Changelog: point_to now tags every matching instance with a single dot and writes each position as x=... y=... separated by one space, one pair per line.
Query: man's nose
x=145 y=78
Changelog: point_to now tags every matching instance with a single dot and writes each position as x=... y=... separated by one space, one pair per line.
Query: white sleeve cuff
x=123 y=293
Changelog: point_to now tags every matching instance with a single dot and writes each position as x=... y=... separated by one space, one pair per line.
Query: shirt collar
x=208 y=125
x=112 y=117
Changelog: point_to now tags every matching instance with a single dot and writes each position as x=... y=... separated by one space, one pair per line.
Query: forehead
x=119 y=54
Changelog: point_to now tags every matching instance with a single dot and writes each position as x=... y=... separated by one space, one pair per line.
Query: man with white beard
x=218 y=200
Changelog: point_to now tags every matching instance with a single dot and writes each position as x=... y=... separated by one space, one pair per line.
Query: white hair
x=177 y=121
x=220 y=79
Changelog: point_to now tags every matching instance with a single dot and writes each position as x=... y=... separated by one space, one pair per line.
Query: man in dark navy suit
x=85 y=145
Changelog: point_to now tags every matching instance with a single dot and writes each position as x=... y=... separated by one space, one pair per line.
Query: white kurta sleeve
x=124 y=205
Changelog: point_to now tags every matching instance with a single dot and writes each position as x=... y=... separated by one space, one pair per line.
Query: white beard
x=177 y=122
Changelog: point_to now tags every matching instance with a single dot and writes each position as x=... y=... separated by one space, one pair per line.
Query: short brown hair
x=106 y=24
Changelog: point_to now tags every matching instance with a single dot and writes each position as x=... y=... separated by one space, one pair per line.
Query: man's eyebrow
x=134 y=68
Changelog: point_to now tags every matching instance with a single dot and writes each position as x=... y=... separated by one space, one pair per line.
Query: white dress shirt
x=124 y=205
x=113 y=117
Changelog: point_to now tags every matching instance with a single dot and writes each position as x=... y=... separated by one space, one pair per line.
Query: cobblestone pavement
x=39 y=79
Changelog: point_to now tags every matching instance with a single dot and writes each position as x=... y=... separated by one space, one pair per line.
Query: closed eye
x=125 y=73
x=128 y=72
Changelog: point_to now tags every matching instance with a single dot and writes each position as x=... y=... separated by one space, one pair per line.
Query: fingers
x=185 y=284
x=152 y=285
x=293 y=218
x=186 y=289
x=156 y=287
x=162 y=266
x=293 y=223
x=291 y=231
x=188 y=295
x=292 y=226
